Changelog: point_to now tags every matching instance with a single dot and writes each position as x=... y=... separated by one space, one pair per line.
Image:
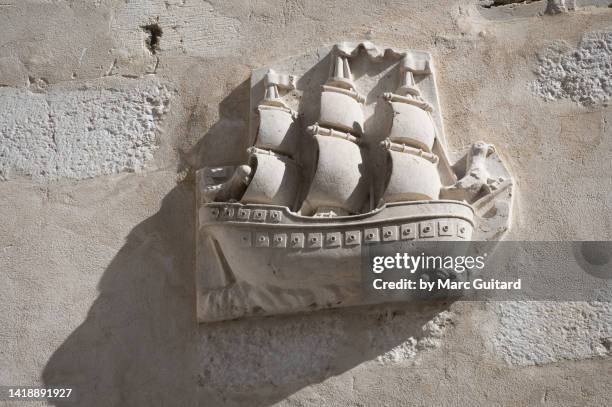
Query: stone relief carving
x=348 y=150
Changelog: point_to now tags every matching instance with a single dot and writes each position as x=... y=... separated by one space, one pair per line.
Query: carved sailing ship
x=281 y=235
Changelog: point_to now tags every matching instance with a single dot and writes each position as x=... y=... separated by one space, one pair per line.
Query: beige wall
x=98 y=141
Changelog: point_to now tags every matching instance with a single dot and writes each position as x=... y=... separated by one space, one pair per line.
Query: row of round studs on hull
x=229 y=213
x=444 y=228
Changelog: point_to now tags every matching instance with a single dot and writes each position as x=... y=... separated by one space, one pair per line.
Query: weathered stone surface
x=180 y=31
x=534 y=333
x=431 y=337
x=281 y=353
x=79 y=133
x=582 y=74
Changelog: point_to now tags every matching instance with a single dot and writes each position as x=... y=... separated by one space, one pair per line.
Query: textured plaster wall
x=102 y=122
x=79 y=133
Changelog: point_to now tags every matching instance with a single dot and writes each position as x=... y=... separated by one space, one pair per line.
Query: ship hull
x=272 y=261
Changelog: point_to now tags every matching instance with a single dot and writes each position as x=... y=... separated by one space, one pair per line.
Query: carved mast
x=272 y=176
x=276 y=176
x=338 y=186
x=413 y=170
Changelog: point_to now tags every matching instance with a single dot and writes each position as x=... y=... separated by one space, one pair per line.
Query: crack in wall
x=498 y=3
x=154 y=33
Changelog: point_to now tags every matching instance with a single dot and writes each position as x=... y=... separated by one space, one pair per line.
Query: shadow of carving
x=226 y=141
x=140 y=344
x=261 y=361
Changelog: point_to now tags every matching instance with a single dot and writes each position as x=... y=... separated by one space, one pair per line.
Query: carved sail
x=277 y=130
x=275 y=179
x=414 y=174
x=339 y=186
x=275 y=175
x=413 y=168
x=412 y=124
